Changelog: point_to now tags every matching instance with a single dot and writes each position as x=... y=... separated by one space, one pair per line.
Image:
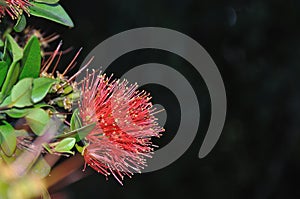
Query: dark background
x=255 y=45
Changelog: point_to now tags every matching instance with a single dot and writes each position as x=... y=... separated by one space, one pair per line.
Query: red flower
x=14 y=8
x=125 y=123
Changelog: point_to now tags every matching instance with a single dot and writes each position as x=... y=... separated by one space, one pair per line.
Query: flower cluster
x=125 y=124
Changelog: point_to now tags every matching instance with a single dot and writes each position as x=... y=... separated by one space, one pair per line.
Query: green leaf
x=11 y=79
x=8 y=138
x=41 y=87
x=65 y=145
x=17 y=113
x=31 y=61
x=80 y=149
x=76 y=126
x=14 y=49
x=10 y=159
x=84 y=131
x=6 y=102
x=21 y=93
x=1 y=43
x=41 y=168
x=52 y=12
x=80 y=133
x=3 y=71
x=37 y=119
x=44 y=105
x=21 y=24
x=75 y=122
x=47 y=1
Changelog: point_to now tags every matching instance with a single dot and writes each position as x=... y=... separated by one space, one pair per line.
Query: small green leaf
x=31 y=62
x=17 y=113
x=47 y=1
x=79 y=148
x=1 y=43
x=3 y=71
x=21 y=93
x=21 y=24
x=14 y=49
x=65 y=145
x=75 y=122
x=8 y=138
x=41 y=87
x=37 y=119
x=52 y=12
x=10 y=80
x=41 y=168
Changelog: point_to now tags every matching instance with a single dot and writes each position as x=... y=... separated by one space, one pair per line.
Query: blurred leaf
x=41 y=87
x=21 y=93
x=31 y=61
x=21 y=132
x=37 y=119
x=8 y=138
x=65 y=145
x=3 y=71
x=52 y=12
x=41 y=168
x=10 y=159
x=21 y=24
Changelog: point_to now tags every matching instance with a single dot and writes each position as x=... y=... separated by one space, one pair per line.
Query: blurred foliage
x=17 y=187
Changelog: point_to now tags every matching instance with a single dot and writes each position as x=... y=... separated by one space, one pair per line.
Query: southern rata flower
x=14 y=8
x=125 y=123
